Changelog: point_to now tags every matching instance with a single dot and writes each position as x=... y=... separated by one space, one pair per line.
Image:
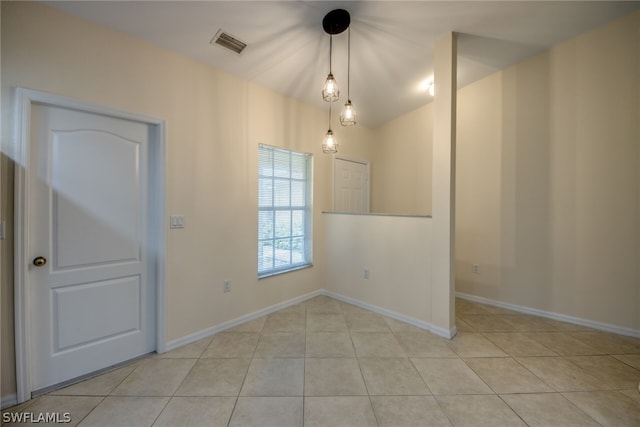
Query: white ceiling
x=391 y=41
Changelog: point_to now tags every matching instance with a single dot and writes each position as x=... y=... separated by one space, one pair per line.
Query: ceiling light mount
x=336 y=21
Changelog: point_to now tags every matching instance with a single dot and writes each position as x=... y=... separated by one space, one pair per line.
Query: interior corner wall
x=548 y=180
x=214 y=122
x=401 y=168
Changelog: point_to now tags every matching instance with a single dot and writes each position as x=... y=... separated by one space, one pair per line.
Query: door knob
x=39 y=261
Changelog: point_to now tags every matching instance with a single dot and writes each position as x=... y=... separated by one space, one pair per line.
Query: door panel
x=351 y=186
x=93 y=302
x=90 y=204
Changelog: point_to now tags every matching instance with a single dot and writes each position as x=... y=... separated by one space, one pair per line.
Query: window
x=284 y=210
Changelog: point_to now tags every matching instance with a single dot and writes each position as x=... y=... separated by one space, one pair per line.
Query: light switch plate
x=176 y=221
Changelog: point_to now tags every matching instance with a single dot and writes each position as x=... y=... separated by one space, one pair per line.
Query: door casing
x=157 y=208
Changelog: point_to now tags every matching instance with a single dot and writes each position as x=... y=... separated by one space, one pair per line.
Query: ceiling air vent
x=229 y=42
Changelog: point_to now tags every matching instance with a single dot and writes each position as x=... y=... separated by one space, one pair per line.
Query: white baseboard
x=205 y=333
x=9 y=400
x=401 y=317
x=551 y=315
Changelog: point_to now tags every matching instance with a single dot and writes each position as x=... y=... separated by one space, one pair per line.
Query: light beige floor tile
x=326 y=322
x=632 y=360
x=189 y=351
x=607 y=343
x=609 y=408
x=281 y=344
x=505 y=375
x=68 y=410
x=470 y=307
x=548 y=410
x=155 y=377
x=343 y=411
x=470 y=344
x=390 y=376
x=492 y=309
x=289 y=322
x=479 y=411
x=196 y=412
x=274 y=377
x=353 y=309
x=368 y=322
x=487 y=323
x=255 y=325
x=528 y=323
x=633 y=394
x=116 y=411
x=608 y=370
x=563 y=343
x=424 y=344
x=232 y=344
x=214 y=377
x=397 y=326
x=323 y=305
x=567 y=327
x=374 y=344
x=333 y=376
x=267 y=412
x=299 y=308
x=329 y=344
x=463 y=326
x=408 y=411
x=561 y=374
x=518 y=344
x=101 y=385
x=450 y=376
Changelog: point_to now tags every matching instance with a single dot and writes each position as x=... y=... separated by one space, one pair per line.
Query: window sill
x=288 y=270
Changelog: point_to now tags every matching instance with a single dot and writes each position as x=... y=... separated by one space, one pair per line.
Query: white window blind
x=284 y=210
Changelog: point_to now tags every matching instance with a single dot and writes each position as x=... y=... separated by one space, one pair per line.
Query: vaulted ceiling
x=391 y=41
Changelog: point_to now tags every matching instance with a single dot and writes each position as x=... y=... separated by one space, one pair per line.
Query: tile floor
x=327 y=363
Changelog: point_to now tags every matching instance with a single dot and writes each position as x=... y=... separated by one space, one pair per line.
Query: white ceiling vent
x=228 y=42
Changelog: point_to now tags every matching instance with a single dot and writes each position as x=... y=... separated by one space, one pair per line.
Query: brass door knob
x=39 y=261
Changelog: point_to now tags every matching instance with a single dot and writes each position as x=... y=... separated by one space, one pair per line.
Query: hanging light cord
x=348 y=64
x=330 y=48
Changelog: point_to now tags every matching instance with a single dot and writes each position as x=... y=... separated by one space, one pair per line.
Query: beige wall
x=396 y=252
x=548 y=180
x=401 y=167
x=215 y=123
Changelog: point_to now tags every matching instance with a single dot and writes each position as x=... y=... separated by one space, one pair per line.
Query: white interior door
x=350 y=186
x=92 y=303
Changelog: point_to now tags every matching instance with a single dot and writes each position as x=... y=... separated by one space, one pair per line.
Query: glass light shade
x=348 y=116
x=329 y=145
x=330 y=91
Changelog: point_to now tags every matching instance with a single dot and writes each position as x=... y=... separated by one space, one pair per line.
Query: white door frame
x=157 y=205
x=367 y=163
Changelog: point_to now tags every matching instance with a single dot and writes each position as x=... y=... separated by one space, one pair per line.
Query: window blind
x=284 y=210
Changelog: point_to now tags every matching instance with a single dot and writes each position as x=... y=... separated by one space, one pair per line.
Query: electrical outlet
x=476 y=268
x=366 y=273
x=176 y=221
x=226 y=286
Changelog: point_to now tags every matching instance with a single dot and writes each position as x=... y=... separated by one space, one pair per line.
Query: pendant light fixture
x=330 y=144
x=334 y=22
x=330 y=91
x=348 y=116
